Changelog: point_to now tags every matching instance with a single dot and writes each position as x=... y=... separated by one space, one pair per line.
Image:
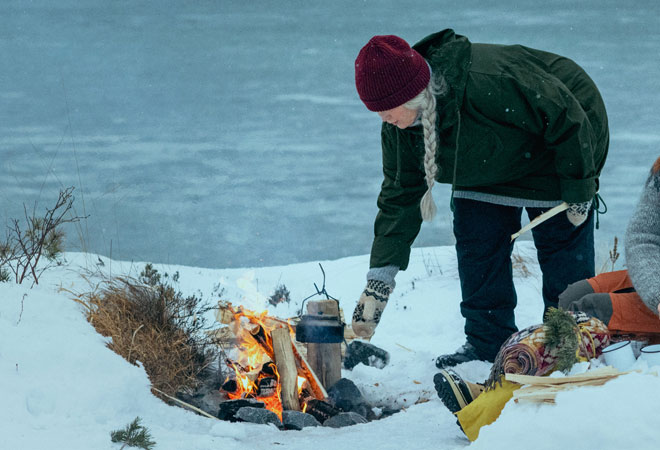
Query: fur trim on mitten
x=370 y=307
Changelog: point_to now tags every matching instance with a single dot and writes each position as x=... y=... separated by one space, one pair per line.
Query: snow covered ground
x=61 y=388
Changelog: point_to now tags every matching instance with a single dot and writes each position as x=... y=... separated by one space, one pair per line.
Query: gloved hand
x=370 y=307
x=577 y=213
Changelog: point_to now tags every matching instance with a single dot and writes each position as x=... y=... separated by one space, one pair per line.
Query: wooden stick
x=305 y=371
x=286 y=367
x=226 y=314
x=540 y=219
x=187 y=405
x=405 y=348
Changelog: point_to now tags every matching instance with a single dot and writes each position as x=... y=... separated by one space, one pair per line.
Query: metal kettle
x=320 y=328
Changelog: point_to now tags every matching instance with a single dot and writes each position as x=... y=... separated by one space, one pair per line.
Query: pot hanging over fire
x=320 y=328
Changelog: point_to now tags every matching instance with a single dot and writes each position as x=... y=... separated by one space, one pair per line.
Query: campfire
x=266 y=364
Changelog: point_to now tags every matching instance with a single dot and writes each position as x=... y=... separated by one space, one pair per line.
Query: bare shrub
x=156 y=325
x=431 y=263
x=281 y=295
x=609 y=264
x=25 y=244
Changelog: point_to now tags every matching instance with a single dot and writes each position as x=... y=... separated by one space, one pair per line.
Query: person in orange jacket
x=628 y=301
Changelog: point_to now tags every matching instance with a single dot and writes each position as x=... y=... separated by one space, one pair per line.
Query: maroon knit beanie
x=388 y=73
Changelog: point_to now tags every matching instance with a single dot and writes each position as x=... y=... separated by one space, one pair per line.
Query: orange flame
x=255 y=350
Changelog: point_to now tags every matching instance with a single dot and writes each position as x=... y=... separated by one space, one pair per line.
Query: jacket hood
x=450 y=55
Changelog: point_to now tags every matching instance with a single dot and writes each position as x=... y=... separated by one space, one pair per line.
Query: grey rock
x=259 y=416
x=210 y=402
x=345 y=395
x=229 y=408
x=345 y=419
x=296 y=420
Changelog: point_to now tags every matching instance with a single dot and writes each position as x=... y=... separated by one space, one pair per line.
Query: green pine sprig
x=134 y=435
x=562 y=334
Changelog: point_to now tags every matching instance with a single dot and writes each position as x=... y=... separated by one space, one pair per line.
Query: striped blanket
x=526 y=351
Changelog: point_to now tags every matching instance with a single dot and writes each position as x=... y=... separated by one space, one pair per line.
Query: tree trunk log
x=324 y=359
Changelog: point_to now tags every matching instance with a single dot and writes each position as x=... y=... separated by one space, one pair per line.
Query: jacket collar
x=449 y=55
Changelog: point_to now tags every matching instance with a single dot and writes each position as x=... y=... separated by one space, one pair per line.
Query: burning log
x=286 y=366
x=230 y=386
x=305 y=371
x=264 y=340
x=321 y=410
x=267 y=387
x=227 y=314
x=270 y=367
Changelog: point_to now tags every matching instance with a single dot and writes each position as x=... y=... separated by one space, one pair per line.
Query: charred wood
x=321 y=410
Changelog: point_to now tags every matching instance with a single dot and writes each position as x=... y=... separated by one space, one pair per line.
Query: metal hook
x=322 y=291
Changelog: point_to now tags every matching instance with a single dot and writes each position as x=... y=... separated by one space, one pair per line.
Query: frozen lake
x=229 y=134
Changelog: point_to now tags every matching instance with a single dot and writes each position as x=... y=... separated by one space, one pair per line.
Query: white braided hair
x=426 y=103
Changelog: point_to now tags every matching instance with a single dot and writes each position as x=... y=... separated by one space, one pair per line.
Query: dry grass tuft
x=156 y=325
x=519 y=265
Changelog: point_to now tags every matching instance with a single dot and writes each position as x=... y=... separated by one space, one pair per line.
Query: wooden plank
x=545 y=389
x=286 y=367
x=605 y=372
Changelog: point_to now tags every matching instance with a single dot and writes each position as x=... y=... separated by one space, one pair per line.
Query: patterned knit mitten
x=370 y=308
x=577 y=212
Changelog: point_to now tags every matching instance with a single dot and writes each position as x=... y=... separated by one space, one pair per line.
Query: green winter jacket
x=521 y=123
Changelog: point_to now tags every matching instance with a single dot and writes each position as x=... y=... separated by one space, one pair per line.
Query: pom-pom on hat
x=388 y=73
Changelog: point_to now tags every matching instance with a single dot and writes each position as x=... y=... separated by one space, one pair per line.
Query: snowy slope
x=63 y=389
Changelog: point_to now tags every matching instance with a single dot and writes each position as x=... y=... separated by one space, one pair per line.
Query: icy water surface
x=229 y=134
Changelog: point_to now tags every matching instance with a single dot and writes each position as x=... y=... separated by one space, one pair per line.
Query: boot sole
x=451 y=394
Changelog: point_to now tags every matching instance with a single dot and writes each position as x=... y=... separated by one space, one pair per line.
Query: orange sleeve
x=656 y=166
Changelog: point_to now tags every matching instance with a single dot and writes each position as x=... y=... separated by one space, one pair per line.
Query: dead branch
x=24 y=247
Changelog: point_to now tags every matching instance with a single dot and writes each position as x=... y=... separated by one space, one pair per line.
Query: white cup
x=651 y=354
x=619 y=355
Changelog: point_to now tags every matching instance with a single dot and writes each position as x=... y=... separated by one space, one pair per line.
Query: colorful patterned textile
x=526 y=352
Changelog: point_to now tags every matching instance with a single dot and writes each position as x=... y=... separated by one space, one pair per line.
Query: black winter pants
x=483 y=247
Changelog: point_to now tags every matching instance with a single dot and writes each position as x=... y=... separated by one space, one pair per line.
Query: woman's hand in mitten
x=370 y=307
x=578 y=212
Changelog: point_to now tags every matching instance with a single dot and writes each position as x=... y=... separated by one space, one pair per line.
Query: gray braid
x=426 y=102
x=427 y=205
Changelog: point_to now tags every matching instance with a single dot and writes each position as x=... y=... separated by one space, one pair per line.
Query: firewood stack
x=545 y=389
x=286 y=367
